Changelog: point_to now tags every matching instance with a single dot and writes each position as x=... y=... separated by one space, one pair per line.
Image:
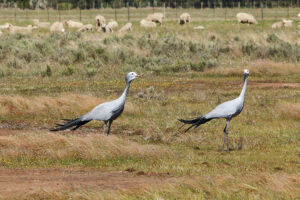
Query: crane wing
x=225 y=110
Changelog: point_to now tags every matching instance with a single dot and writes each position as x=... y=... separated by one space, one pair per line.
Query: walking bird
x=227 y=110
x=106 y=112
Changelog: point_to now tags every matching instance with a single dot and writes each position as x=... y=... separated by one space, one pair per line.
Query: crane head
x=246 y=72
x=131 y=76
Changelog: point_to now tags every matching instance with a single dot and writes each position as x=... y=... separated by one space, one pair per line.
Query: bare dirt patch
x=17 y=183
x=7 y=132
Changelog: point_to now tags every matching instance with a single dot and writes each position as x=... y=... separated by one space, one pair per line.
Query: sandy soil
x=14 y=183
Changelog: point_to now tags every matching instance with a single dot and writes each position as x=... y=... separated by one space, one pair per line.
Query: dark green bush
x=272 y=38
x=67 y=71
x=249 y=48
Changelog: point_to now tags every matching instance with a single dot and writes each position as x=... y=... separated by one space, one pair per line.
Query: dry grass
x=259 y=67
x=247 y=186
x=56 y=107
x=290 y=110
x=42 y=105
x=271 y=68
x=47 y=145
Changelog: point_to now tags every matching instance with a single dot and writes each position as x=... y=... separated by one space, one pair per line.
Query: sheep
x=155 y=17
x=57 y=27
x=45 y=25
x=1 y=33
x=199 y=27
x=277 y=25
x=184 y=18
x=87 y=27
x=100 y=21
x=73 y=24
x=246 y=18
x=5 y=26
x=126 y=27
x=287 y=22
x=110 y=26
x=299 y=15
x=147 y=24
x=21 y=29
x=282 y=23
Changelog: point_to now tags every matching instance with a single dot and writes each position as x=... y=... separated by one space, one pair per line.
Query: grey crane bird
x=106 y=112
x=227 y=110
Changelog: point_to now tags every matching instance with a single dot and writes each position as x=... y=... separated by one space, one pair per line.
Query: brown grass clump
x=290 y=110
x=46 y=106
x=264 y=67
x=55 y=146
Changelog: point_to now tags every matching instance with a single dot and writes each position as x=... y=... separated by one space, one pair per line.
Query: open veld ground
x=186 y=73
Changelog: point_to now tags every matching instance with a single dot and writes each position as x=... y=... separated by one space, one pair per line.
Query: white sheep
x=1 y=33
x=126 y=27
x=21 y=29
x=184 y=18
x=155 y=17
x=199 y=27
x=287 y=22
x=246 y=18
x=73 y=24
x=299 y=15
x=57 y=27
x=282 y=23
x=45 y=25
x=5 y=26
x=100 y=21
x=277 y=25
x=147 y=24
x=87 y=27
x=110 y=26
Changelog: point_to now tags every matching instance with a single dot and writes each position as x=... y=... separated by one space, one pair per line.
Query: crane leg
x=109 y=125
x=227 y=124
x=104 y=127
x=226 y=135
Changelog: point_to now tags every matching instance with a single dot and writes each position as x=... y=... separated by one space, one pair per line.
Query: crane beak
x=138 y=76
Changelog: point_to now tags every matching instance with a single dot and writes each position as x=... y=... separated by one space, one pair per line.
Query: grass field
x=186 y=73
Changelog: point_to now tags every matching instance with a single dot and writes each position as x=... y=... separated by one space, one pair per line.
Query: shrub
x=67 y=71
x=2 y=73
x=91 y=72
x=272 y=38
x=13 y=63
x=48 y=71
x=249 y=48
x=200 y=66
x=203 y=64
x=192 y=47
x=236 y=38
x=212 y=38
x=79 y=55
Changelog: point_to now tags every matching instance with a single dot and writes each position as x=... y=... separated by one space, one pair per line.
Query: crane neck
x=124 y=94
x=244 y=87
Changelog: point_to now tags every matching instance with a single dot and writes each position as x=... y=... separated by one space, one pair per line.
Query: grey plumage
x=227 y=110
x=106 y=112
